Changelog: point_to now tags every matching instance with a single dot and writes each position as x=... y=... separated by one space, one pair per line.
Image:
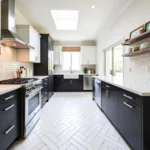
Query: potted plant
x=85 y=70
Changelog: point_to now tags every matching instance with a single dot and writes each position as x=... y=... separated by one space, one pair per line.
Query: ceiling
x=89 y=23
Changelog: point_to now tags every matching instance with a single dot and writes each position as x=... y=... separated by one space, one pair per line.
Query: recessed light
x=93 y=6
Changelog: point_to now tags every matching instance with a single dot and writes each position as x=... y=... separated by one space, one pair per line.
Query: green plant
x=85 y=69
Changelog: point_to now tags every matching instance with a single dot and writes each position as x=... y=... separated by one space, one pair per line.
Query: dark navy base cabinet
x=68 y=85
x=44 y=92
x=9 y=118
x=129 y=113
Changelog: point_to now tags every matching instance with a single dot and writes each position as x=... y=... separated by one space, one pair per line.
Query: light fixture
x=65 y=19
x=93 y=7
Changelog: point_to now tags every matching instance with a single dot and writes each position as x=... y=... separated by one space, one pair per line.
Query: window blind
x=71 y=49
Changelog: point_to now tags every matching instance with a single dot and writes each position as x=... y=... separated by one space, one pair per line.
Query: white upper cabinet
x=57 y=55
x=31 y=36
x=88 y=55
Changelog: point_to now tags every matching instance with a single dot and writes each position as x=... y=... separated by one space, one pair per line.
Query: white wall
x=133 y=17
x=20 y=19
x=67 y=43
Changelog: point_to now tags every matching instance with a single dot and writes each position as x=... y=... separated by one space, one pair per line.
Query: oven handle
x=30 y=95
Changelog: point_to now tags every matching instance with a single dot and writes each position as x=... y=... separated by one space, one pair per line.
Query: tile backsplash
x=137 y=69
x=58 y=68
x=8 y=69
x=9 y=63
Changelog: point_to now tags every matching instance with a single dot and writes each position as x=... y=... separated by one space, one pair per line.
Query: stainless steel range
x=30 y=105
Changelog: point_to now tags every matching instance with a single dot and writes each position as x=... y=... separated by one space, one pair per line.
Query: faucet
x=70 y=70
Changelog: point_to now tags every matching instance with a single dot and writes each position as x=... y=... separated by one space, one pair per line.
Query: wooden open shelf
x=142 y=51
x=137 y=39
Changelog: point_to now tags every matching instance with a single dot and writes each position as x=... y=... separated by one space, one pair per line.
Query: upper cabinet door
x=88 y=55
x=57 y=55
x=32 y=37
x=35 y=42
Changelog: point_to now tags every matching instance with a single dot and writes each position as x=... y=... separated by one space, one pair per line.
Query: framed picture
x=136 y=32
x=147 y=26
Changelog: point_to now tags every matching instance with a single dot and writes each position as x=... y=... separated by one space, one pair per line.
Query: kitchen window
x=71 y=60
x=114 y=61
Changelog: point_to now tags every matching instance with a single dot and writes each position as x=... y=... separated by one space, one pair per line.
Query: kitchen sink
x=71 y=76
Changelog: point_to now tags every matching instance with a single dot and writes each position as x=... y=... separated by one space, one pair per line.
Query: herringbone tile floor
x=72 y=121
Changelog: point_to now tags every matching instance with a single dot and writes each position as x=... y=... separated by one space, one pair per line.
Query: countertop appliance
x=98 y=92
x=30 y=103
x=87 y=83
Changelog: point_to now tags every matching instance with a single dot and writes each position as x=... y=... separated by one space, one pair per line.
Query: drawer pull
x=6 y=99
x=107 y=86
x=6 y=132
x=130 y=106
x=8 y=108
x=129 y=97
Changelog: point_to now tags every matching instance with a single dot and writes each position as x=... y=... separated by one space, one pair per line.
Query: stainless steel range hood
x=9 y=38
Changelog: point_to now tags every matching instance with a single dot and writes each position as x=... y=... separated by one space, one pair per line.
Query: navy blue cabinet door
x=130 y=122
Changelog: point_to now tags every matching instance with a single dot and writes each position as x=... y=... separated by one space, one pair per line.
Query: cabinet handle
x=129 y=97
x=130 y=106
x=8 y=108
x=107 y=86
x=107 y=93
x=9 y=97
x=6 y=132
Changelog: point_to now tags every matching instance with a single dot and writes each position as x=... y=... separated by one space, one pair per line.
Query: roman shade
x=71 y=49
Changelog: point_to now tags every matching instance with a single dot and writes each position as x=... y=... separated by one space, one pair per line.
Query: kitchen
x=50 y=70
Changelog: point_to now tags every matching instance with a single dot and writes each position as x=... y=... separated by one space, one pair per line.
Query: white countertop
x=137 y=88
x=8 y=88
x=40 y=77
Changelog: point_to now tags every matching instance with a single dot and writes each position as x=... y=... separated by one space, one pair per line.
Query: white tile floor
x=72 y=121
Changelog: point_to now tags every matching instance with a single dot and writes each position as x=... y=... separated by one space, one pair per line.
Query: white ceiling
x=89 y=23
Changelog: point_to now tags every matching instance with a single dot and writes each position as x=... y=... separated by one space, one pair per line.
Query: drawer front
x=132 y=97
x=8 y=112
x=106 y=85
x=130 y=122
x=8 y=98
x=126 y=94
x=8 y=134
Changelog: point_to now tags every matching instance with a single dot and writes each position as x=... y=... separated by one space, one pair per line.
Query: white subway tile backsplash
x=9 y=63
x=8 y=69
x=137 y=69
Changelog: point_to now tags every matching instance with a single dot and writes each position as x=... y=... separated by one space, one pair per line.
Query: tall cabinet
x=45 y=68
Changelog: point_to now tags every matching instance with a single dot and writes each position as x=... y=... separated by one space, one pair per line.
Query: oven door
x=32 y=105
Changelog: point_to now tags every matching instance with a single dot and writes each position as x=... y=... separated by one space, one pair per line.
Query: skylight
x=65 y=19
